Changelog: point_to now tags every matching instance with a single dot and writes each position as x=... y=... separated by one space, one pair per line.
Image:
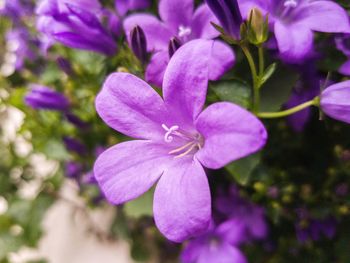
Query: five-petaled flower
x=179 y=20
x=175 y=139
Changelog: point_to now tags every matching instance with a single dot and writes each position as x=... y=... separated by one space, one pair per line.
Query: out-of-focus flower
x=244 y=216
x=343 y=44
x=335 y=101
x=74 y=145
x=214 y=246
x=307 y=230
x=307 y=87
x=75 y=120
x=73 y=170
x=293 y=22
x=123 y=6
x=41 y=97
x=175 y=140
x=229 y=15
x=181 y=21
x=76 y=24
x=16 y=9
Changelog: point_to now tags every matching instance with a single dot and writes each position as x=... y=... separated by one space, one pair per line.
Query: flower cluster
x=191 y=90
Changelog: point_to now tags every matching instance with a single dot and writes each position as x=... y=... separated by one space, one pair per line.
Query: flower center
x=184 y=32
x=189 y=143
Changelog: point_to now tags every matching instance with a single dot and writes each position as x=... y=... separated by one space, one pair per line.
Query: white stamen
x=167 y=136
x=187 y=152
x=184 y=31
x=181 y=148
x=290 y=3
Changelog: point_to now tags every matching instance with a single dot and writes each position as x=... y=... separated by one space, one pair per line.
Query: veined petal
x=157 y=33
x=201 y=26
x=345 y=68
x=176 y=13
x=127 y=170
x=325 y=16
x=294 y=41
x=123 y=6
x=182 y=205
x=130 y=106
x=186 y=79
x=246 y=5
x=156 y=68
x=230 y=133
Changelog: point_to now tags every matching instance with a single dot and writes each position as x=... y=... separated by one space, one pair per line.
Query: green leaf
x=235 y=91
x=268 y=73
x=277 y=89
x=242 y=169
x=141 y=206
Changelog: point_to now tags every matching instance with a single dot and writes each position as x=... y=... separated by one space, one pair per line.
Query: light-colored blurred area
x=72 y=233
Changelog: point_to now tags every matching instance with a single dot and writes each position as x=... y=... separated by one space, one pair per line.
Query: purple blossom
x=293 y=22
x=343 y=44
x=315 y=229
x=76 y=24
x=229 y=15
x=335 y=101
x=175 y=139
x=123 y=6
x=244 y=216
x=307 y=87
x=214 y=246
x=73 y=169
x=74 y=145
x=44 y=98
x=16 y=9
x=180 y=20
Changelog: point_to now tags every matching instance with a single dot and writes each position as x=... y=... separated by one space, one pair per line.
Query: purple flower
x=16 y=9
x=335 y=101
x=214 y=246
x=294 y=21
x=175 y=139
x=307 y=87
x=123 y=6
x=229 y=15
x=246 y=216
x=74 y=145
x=343 y=44
x=73 y=170
x=44 y=98
x=315 y=229
x=178 y=19
x=76 y=24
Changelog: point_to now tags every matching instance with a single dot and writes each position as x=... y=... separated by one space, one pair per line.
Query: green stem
x=255 y=78
x=280 y=114
x=261 y=61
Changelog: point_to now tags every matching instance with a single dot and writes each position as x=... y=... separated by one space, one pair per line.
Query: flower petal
x=182 y=205
x=176 y=13
x=221 y=60
x=127 y=170
x=230 y=133
x=157 y=33
x=201 y=26
x=222 y=253
x=130 y=106
x=246 y=5
x=186 y=80
x=294 y=41
x=325 y=16
x=156 y=68
x=345 y=68
x=335 y=101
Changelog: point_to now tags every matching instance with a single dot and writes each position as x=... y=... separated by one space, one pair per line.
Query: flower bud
x=138 y=43
x=229 y=15
x=335 y=101
x=44 y=98
x=174 y=45
x=258 y=27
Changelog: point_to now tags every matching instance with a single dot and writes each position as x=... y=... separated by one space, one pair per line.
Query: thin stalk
x=280 y=114
x=261 y=61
